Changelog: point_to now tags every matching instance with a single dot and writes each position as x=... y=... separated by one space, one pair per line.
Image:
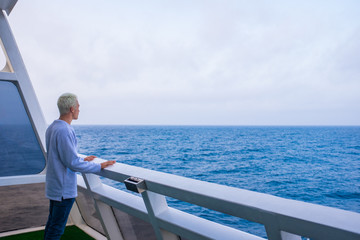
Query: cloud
x=195 y=62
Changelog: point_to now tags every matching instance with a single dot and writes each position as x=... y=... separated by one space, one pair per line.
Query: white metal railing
x=283 y=219
x=24 y=179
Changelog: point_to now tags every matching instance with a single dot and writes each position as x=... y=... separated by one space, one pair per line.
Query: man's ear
x=71 y=109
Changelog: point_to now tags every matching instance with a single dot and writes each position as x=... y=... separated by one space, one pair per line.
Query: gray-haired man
x=62 y=164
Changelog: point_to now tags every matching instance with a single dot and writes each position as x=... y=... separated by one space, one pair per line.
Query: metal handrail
x=282 y=218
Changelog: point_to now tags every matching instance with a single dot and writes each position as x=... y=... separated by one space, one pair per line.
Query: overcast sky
x=193 y=62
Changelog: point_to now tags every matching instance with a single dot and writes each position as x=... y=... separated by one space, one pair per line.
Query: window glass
x=87 y=209
x=20 y=152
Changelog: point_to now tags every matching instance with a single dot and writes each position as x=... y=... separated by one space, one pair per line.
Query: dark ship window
x=20 y=151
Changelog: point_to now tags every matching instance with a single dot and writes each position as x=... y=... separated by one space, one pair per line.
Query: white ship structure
x=105 y=212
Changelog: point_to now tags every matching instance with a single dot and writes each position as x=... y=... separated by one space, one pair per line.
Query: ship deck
x=29 y=211
x=71 y=232
x=25 y=205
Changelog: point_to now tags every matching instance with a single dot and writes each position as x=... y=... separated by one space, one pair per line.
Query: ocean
x=318 y=165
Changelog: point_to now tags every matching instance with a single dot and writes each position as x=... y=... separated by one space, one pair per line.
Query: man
x=62 y=163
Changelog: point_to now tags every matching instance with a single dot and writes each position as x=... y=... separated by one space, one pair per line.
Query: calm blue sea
x=314 y=164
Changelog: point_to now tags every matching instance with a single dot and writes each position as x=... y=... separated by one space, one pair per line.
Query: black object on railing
x=135 y=184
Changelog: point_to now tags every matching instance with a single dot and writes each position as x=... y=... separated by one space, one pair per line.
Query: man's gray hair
x=66 y=101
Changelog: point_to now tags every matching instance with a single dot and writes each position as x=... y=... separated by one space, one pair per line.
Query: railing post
x=156 y=204
x=273 y=233
x=289 y=236
x=106 y=215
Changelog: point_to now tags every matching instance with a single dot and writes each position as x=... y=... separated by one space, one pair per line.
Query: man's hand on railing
x=103 y=164
x=89 y=158
x=107 y=163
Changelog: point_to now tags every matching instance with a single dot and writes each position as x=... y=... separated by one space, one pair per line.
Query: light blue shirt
x=63 y=162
